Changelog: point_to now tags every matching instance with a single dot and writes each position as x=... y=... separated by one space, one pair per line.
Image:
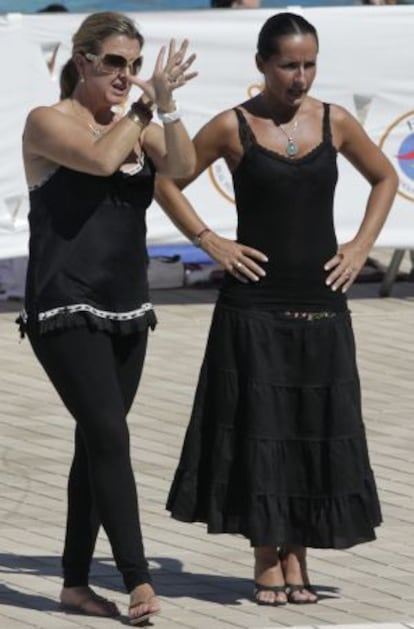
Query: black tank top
x=87 y=252
x=285 y=209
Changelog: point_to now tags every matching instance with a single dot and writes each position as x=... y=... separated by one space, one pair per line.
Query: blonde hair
x=93 y=31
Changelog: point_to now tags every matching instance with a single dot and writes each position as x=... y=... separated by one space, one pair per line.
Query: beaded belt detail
x=309 y=316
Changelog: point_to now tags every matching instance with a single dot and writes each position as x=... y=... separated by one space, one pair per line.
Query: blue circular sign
x=406 y=156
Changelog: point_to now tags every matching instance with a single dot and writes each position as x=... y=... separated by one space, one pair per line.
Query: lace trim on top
x=44 y=180
x=103 y=314
x=134 y=168
x=248 y=138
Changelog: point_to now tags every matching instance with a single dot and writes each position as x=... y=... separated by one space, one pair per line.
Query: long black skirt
x=276 y=448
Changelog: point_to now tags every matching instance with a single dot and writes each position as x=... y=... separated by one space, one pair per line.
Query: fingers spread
x=172 y=73
x=184 y=46
x=171 y=49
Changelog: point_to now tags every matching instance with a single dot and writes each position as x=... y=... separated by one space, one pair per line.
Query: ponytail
x=69 y=78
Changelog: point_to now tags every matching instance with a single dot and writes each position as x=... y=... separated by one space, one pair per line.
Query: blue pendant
x=291 y=149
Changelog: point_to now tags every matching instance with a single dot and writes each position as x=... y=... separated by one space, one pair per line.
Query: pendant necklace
x=291 y=148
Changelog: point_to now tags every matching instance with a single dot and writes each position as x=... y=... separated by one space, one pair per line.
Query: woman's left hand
x=167 y=76
x=345 y=265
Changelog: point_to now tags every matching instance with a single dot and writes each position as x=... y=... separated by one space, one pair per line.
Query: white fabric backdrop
x=366 y=64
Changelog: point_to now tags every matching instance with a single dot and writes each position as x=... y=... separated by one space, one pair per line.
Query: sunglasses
x=111 y=64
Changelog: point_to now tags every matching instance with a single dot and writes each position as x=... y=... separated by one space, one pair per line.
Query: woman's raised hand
x=168 y=75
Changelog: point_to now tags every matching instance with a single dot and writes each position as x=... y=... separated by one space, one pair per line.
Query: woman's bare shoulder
x=223 y=121
x=340 y=115
x=42 y=123
x=219 y=130
x=44 y=116
x=47 y=110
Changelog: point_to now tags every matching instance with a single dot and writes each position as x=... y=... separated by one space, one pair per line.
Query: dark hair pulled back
x=281 y=25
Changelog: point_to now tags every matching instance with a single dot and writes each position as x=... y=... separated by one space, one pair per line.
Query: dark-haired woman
x=87 y=310
x=276 y=449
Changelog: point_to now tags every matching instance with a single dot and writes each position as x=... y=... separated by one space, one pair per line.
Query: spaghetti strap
x=326 y=125
x=245 y=133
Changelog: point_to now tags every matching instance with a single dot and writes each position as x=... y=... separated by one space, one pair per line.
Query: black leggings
x=97 y=376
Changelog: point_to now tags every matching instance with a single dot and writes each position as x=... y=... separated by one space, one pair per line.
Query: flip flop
x=82 y=607
x=137 y=620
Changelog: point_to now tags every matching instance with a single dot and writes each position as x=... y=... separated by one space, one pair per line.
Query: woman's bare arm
x=356 y=146
x=218 y=138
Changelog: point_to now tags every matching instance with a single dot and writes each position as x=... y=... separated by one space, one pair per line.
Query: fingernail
x=328 y=282
x=334 y=288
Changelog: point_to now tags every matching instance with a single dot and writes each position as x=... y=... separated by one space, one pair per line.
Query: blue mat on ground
x=188 y=253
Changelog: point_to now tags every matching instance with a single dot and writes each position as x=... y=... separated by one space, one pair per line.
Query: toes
x=142 y=612
x=299 y=596
x=265 y=597
x=139 y=610
x=281 y=597
x=312 y=597
x=302 y=595
x=143 y=603
x=268 y=597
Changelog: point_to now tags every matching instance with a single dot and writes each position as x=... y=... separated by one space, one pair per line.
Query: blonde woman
x=87 y=309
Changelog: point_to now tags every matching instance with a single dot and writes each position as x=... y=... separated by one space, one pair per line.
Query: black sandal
x=276 y=589
x=291 y=589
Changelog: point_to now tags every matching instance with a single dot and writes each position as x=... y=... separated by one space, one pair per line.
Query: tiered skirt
x=276 y=448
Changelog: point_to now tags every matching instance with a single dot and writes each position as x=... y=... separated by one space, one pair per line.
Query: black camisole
x=87 y=254
x=285 y=209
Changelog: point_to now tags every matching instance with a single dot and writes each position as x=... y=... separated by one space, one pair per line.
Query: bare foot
x=83 y=600
x=268 y=576
x=293 y=560
x=143 y=604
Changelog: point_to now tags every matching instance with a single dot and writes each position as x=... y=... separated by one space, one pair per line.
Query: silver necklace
x=291 y=147
x=97 y=133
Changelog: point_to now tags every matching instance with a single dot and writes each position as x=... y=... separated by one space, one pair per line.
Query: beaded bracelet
x=196 y=240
